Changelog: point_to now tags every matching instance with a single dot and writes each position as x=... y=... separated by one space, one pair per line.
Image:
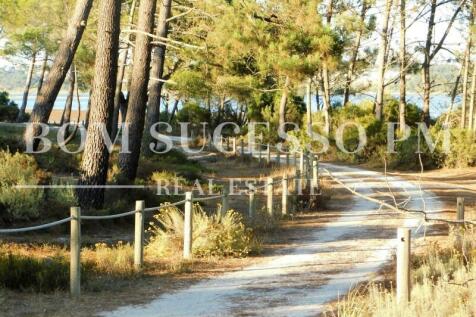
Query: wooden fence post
x=251 y=206
x=233 y=142
x=285 y=195
x=225 y=206
x=297 y=189
x=315 y=173
x=187 y=226
x=460 y=209
x=259 y=152
x=242 y=147
x=460 y=227
x=296 y=162
x=75 y=253
x=403 y=266
x=269 y=193
x=268 y=154
x=139 y=235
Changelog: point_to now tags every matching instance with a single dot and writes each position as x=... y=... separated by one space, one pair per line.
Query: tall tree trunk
x=326 y=104
x=157 y=71
x=403 y=66
x=26 y=91
x=427 y=63
x=96 y=155
x=138 y=91
x=88 y=110
x=382 y=61
x=325 y=81
x=283 y=102
x=64 y=57
x=120 y=74
x=318 y=101
x=429 y=54
x=466 y=67
x=66 y=117
x=174 y=109
x=44 y=66
x=473 y=100
x=355 y=53
x=309 y=103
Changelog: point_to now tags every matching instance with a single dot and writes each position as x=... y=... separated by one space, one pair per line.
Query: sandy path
x=300 y=280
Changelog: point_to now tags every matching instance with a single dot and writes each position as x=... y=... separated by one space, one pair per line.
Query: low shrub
x=8 y=109
x=463 y=149
x=111 y=260
x=19 y=169
x=212 y=235
x=20 y=272
x=442 y=285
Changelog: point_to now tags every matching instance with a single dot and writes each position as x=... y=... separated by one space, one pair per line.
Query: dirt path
x=324 y=261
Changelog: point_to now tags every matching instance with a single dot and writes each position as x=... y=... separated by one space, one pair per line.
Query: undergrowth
x=443 y=283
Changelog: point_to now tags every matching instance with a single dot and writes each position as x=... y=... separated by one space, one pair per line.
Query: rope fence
x=75 y=219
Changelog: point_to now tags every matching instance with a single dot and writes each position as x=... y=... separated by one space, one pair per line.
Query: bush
x=22 y=272
x=212 y=235
x=8 y=109
x=19 y=169
x=442 y=286
x=114 y=260
x=463 y=149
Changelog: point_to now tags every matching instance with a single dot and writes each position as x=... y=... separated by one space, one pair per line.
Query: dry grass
x=443 y=285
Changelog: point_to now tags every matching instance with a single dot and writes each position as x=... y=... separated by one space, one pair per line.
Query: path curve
x=298 y=281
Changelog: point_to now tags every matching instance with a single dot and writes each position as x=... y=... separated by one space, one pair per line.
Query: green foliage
x=212 y=235
x=19 y=169
x=463 y=149
x=193 y=113
x=8 y=109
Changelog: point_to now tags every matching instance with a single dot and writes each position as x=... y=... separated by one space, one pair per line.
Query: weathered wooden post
x=297 y=183
x=259 y=148
x=233 y=143
x=242 y=147
x=251 y=206
x=187 y=226
x=268 y=154
x=460 y=218
x=225 y=206
x=75 y=253
x=269 y=193
x=285 y=195
x=315 y=174
x=403 y=266
x=295 y=161
x=460 y=209
x=139 y=235
x=297 y=189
